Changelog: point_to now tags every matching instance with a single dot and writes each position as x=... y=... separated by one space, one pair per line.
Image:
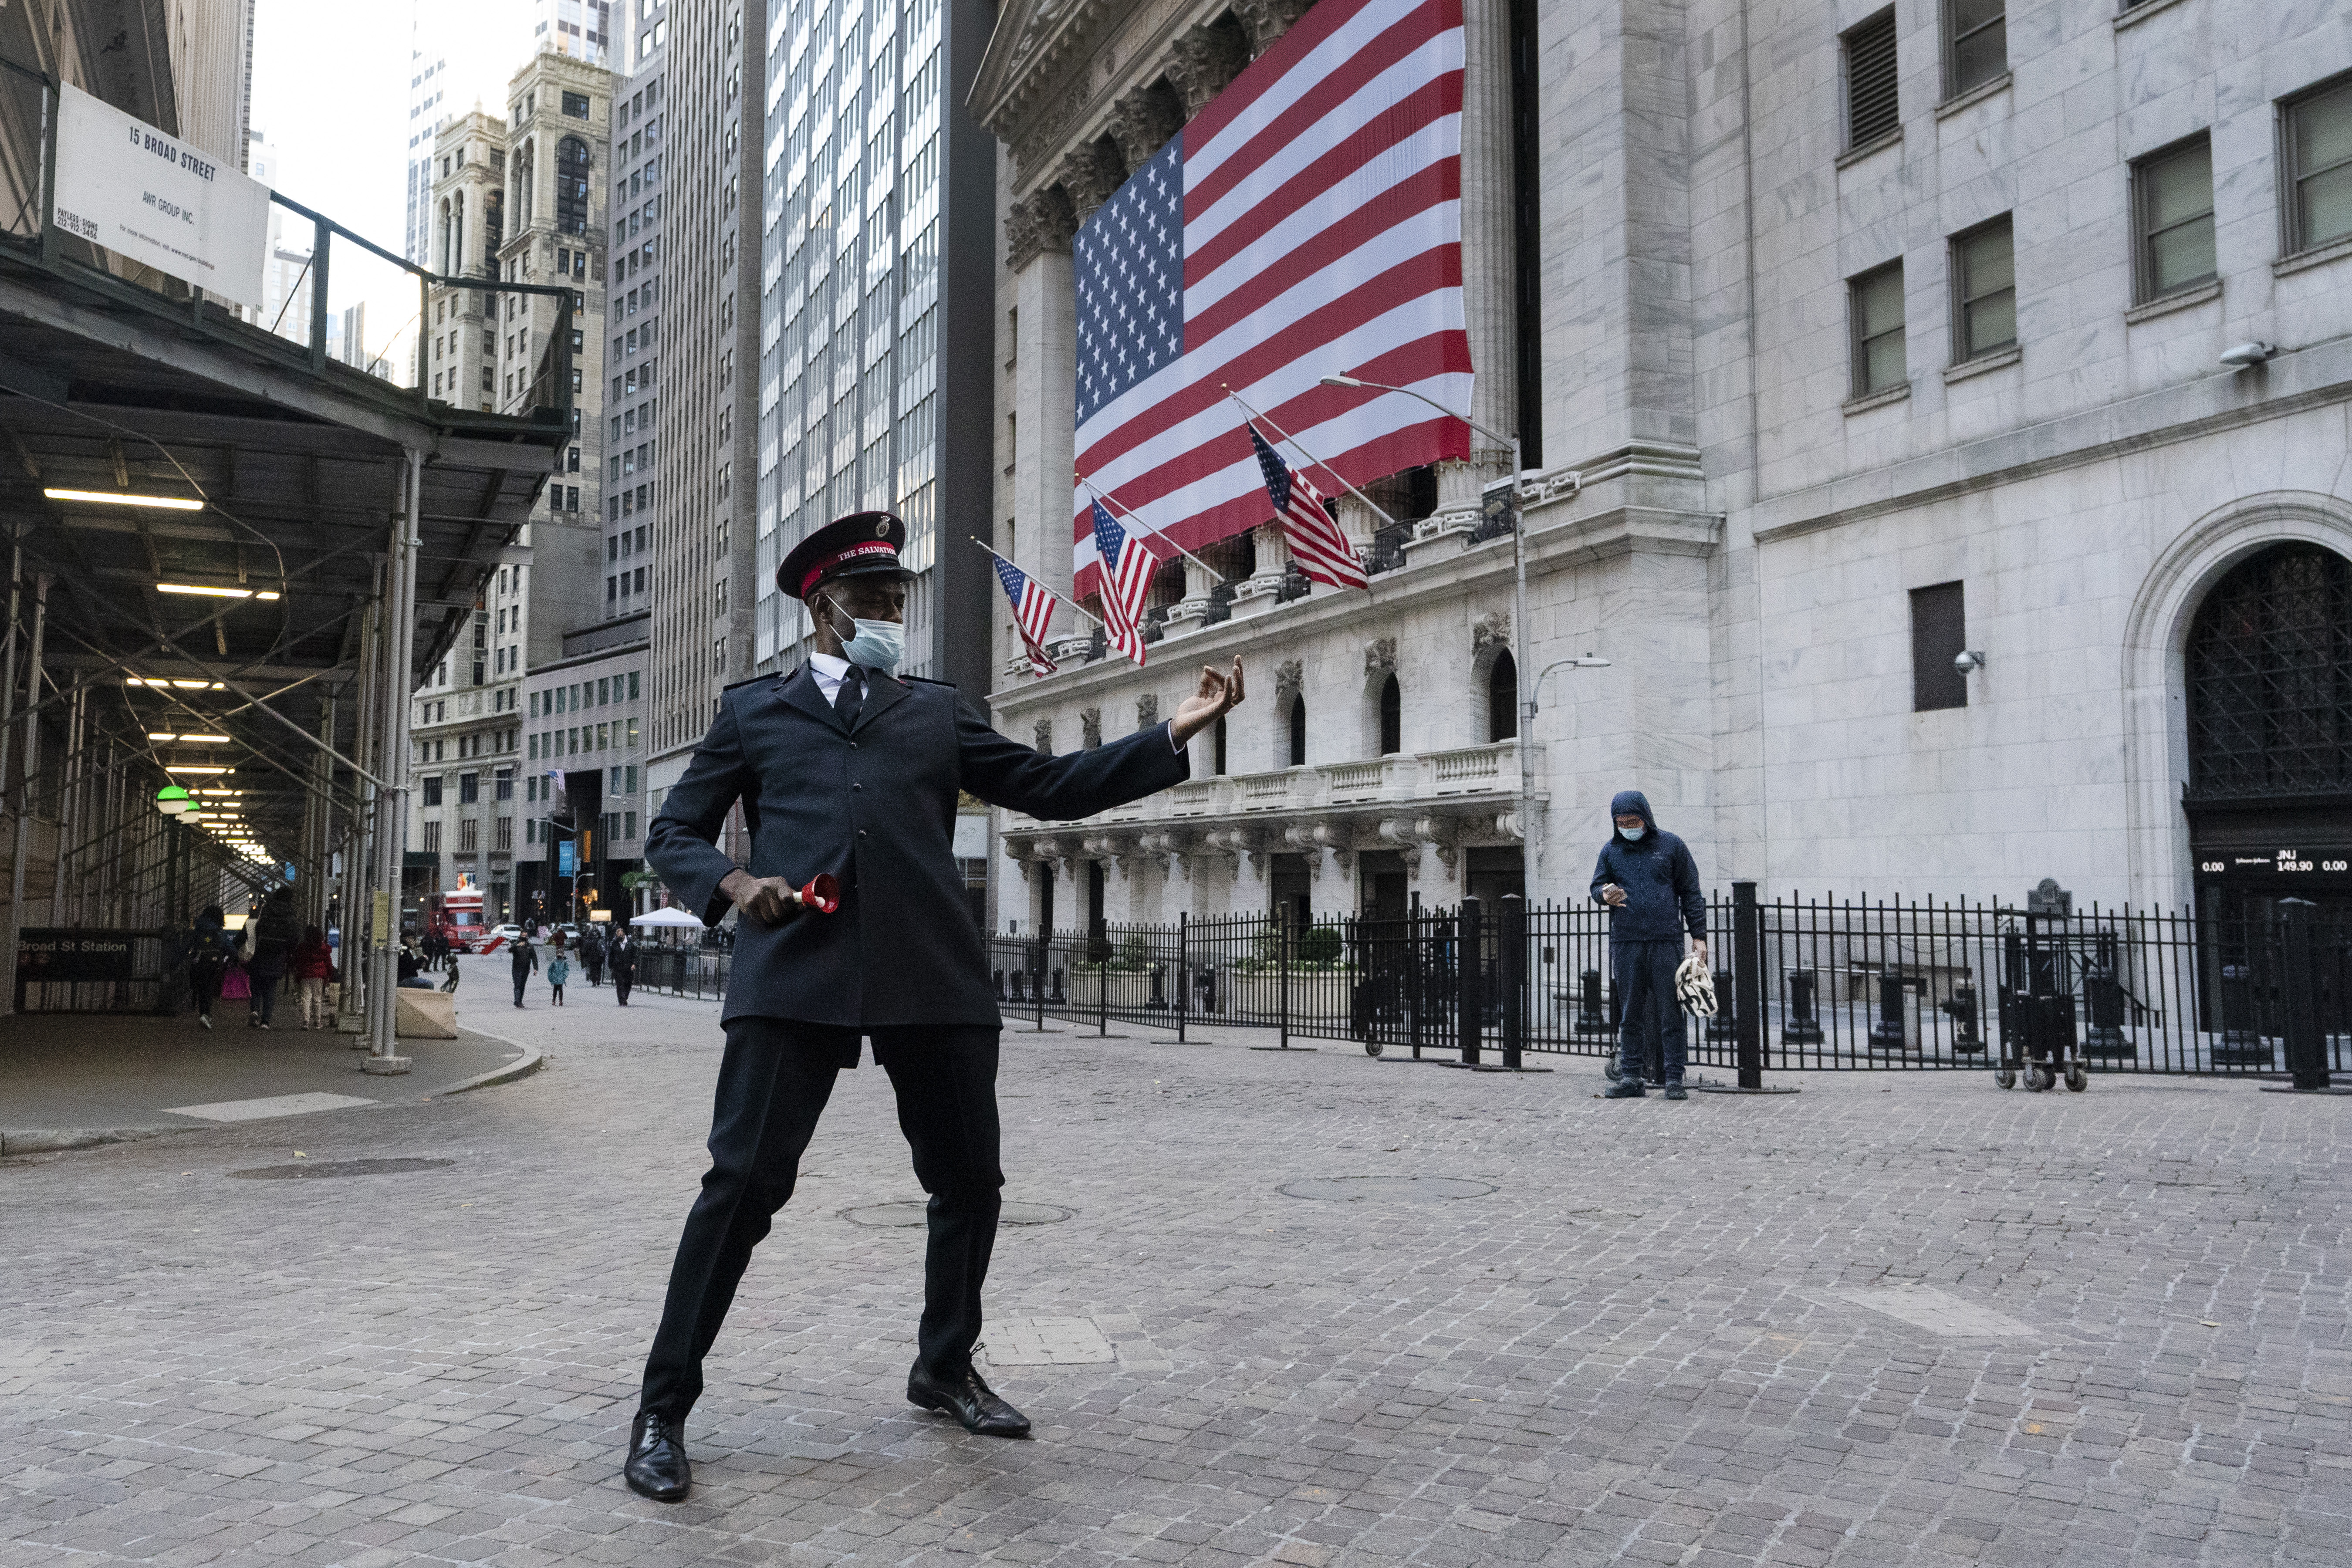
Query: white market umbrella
x=668 y=918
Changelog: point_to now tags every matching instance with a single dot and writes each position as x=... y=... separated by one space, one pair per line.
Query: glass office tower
x=875 y=308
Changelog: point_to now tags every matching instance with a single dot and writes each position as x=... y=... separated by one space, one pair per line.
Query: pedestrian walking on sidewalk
x=1650 y=883
x=313 y=965
x=526 y=964
x=211 y=950
x=275 y=934
x=558 y=970
x=856 y=773
x=622 y=960
x=592 y=956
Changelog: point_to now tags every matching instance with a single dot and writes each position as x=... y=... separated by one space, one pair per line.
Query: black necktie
x=851 y=698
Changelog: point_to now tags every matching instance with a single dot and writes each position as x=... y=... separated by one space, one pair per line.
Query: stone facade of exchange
x=1828 y=309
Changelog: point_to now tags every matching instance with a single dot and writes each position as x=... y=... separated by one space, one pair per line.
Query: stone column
x=1037 y=233
x=1488 y=259
x=1187 y=613
x=1257 y=591
x=1091 y=173
x=1203 y=61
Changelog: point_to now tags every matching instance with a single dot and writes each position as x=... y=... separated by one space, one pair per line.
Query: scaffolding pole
x=32 y=767
x=392 y=769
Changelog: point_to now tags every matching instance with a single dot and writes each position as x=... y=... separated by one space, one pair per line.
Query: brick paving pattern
x=1893 y=1320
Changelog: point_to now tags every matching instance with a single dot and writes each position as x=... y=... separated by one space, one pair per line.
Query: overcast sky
x=330 y=93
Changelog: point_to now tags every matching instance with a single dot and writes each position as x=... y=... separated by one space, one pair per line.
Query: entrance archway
x=2267 y=668
x=2179 y=583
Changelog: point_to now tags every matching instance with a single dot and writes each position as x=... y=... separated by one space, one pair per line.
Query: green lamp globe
x=172 y=800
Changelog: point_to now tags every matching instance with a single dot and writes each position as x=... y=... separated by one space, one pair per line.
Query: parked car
x=497 y=937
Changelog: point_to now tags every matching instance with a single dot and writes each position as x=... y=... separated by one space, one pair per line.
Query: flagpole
x=1311 y=456
x=1147 y=528
x=1058 y=598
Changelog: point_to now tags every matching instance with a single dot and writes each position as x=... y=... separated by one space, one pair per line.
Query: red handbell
x=822 y=894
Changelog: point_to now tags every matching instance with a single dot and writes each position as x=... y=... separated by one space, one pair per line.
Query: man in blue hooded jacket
x=1648 y=878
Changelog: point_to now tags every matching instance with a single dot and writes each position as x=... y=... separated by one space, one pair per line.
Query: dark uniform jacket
x=874 y=807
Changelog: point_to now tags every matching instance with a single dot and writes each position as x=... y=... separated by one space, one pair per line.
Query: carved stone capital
x=1204 y=61
x=1038 y=223
x=1267 y=20
x=1381 y=657
x=1090 y=727
x=1144 y=121
x=1090 y=174
x=1288 y=677
x=1495 y=626
x=1147 y=710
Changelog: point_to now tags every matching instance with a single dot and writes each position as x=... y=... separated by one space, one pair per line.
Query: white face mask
x=878 y=645
x=1632 y=834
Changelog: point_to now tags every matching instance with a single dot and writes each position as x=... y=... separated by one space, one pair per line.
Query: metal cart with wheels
x=2038 y=1040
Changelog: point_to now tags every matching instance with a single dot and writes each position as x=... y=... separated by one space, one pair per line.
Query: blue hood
x=1631 y=800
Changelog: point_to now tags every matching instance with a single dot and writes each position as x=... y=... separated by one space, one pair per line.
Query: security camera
x=2242 y=356
x=1968 y=662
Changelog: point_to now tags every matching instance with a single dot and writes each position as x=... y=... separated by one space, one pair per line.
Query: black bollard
x=1803 y=1024
x=1592 y=1015
x=2102 y=993
x=2306 y=1045
x=1887 y=1033
x=1961 y=1006
x=1723 y=1025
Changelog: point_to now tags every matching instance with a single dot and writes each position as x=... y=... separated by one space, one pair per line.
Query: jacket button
x=861 y=833
x=858 y=786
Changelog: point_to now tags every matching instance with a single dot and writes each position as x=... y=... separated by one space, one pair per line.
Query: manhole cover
x=1386 y=1189
x=313 y=1170
x=887 y=1216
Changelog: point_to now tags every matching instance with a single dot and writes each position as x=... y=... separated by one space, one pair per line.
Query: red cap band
x=854 y=553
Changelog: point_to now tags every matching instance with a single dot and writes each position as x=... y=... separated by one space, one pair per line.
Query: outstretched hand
x=1218 y=695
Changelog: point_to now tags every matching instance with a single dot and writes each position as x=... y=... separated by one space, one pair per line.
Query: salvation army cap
x=861 y=544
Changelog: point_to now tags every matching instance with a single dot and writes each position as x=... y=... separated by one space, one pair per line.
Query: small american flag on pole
x=1032 y=613
x=1129 y=583
x=1307 y=221
x=1321 y=550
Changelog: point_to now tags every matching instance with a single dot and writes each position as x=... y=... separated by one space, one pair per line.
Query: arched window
x=2270 y=678
x=1392 y=718
x=449 y=236
x=572 y=186
x=1297 y=732
x=1502 y=697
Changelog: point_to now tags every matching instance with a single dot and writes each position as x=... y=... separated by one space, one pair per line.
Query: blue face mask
x=1633 y=835
x=878 y=645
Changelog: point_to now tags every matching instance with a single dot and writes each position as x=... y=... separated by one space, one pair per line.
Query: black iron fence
x=699 y=972
x=1801 y=983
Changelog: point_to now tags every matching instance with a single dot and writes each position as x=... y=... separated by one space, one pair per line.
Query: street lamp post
x=1530 y=849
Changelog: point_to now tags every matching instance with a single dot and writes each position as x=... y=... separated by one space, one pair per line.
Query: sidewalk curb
x=533 y=1058
x=52 y=1140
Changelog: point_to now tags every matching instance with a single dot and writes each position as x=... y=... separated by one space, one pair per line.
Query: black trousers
x=773 y=1083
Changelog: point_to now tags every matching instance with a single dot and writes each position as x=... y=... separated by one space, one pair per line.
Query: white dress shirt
x=829 y=672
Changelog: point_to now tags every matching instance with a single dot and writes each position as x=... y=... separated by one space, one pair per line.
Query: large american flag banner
x=1307 y=221
x=1317 y=543
x=1128 y=565
x=1032 y=613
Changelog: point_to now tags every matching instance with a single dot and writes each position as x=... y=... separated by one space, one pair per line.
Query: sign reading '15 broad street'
x=157 y=200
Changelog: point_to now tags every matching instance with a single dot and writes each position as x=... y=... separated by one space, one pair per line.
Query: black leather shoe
x=1674 y=1090
x=970 y=1400
x=1623 y=1089
x=658 y=1466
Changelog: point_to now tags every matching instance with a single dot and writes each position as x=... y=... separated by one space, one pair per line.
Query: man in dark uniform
x=843 y=768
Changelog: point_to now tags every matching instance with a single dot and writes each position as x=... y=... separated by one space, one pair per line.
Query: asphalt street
x=1307 y=1309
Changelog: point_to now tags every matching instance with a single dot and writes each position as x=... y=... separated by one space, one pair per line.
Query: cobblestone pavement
x=1895 y=1319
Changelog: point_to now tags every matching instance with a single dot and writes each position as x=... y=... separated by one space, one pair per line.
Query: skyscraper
x=705 y=260
x=874 y=390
